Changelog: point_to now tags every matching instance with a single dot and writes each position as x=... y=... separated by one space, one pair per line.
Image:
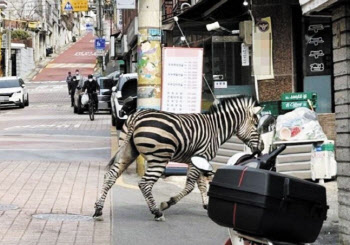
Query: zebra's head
x=247 y=127
x=240 y=115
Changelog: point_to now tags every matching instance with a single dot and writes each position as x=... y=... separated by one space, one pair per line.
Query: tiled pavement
x=57 y=188
x=54 y=187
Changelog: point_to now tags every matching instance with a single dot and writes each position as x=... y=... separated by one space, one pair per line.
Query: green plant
x=20 y=34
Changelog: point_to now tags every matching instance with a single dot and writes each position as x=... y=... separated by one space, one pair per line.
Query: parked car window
x=129 y=88
x=9 y=84
x=107 y=84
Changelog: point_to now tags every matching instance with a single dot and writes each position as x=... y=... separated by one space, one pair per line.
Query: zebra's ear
x=256 y=109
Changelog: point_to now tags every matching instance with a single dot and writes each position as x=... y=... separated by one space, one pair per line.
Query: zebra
x=161 y=137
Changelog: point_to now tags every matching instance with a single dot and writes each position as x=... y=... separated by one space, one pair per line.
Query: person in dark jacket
x=91 y=87
x=73 y=87
x=69 y=81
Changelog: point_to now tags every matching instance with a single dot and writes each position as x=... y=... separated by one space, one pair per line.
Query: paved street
x=81 y=55
x=52 y=162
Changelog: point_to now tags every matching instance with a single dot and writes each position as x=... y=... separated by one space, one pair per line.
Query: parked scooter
x=261 y=206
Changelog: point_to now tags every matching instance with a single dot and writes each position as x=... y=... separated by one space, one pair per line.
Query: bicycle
x=91 y=105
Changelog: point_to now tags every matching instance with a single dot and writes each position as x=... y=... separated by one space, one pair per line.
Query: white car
x=126 y=86
x=13 y=91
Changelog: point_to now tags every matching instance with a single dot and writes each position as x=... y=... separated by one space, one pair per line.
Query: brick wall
x=341 y=58
x=327 y=122
x=282 y=44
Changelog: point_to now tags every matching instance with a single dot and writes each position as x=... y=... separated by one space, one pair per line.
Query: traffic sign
x=89 y=27
x=68 y=7
x=100 y=44
x=100 y=52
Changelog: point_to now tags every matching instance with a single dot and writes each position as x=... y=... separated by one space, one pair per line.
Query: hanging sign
x=245 y=54
x=317 y=46
x=126 y=4
x=182 y=80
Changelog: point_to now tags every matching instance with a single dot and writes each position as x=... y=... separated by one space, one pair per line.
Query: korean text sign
x=182 y=80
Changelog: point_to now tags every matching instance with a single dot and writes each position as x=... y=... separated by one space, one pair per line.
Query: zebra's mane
x=245 y=100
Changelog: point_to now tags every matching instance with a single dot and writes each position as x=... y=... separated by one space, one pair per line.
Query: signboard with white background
x=126 y=4
x=182 y=80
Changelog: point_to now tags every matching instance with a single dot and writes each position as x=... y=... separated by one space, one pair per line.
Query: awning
x=228 y=12
x=218 y=10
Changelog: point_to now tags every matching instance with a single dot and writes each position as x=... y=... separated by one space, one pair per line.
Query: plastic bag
x=299 y=124
x=84 y=99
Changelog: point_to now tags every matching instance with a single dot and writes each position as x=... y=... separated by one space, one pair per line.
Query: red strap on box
x=235 y=205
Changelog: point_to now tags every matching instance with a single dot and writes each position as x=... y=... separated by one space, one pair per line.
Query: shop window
x=229 y=76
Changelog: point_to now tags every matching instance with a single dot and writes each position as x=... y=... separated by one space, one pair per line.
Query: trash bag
x=299 y=124
x=84 y=99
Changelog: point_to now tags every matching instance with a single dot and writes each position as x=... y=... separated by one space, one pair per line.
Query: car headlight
x=18 y=92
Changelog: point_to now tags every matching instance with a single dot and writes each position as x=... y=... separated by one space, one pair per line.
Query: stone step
x=292 y=158
x=298 y=166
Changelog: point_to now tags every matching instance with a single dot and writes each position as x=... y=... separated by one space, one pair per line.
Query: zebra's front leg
x=153 y=173
x=192 y=176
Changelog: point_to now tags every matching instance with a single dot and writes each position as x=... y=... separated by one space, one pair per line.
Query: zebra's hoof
x=205 y=206
x=159 y=218
x=164 y=206
x=98 y=214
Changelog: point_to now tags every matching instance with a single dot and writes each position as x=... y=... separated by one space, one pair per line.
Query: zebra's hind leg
x=192 y=176
x=126 y=154
x=202 y=183
x=153 y=173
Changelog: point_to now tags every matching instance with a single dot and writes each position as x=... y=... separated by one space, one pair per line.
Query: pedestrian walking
x=79 y=78
x=74 y=86
x=69 y=81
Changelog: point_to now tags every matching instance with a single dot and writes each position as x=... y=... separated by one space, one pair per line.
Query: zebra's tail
x=128 y=131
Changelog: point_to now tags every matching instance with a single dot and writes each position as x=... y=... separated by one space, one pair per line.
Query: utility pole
x=149 y=59
x=8 y=71
x=100 y=31
x=3 y=6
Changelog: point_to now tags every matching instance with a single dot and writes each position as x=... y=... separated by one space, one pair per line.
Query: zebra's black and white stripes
x=161 y=137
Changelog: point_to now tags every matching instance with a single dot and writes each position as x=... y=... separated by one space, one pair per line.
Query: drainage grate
x=63 y=217
x=6 y=207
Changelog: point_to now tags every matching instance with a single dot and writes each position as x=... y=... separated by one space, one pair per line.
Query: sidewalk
x=52 y=188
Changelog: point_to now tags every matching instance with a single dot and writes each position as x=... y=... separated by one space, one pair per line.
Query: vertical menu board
x=182 y=80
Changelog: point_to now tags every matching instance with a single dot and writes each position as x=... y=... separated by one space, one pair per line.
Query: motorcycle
x=260 y=206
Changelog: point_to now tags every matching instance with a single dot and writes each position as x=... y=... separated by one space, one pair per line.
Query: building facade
x=49 y=29
x=339 y=13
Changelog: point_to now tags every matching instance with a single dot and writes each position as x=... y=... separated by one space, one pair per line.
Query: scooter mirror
x=202 y=164
x=266 y=124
